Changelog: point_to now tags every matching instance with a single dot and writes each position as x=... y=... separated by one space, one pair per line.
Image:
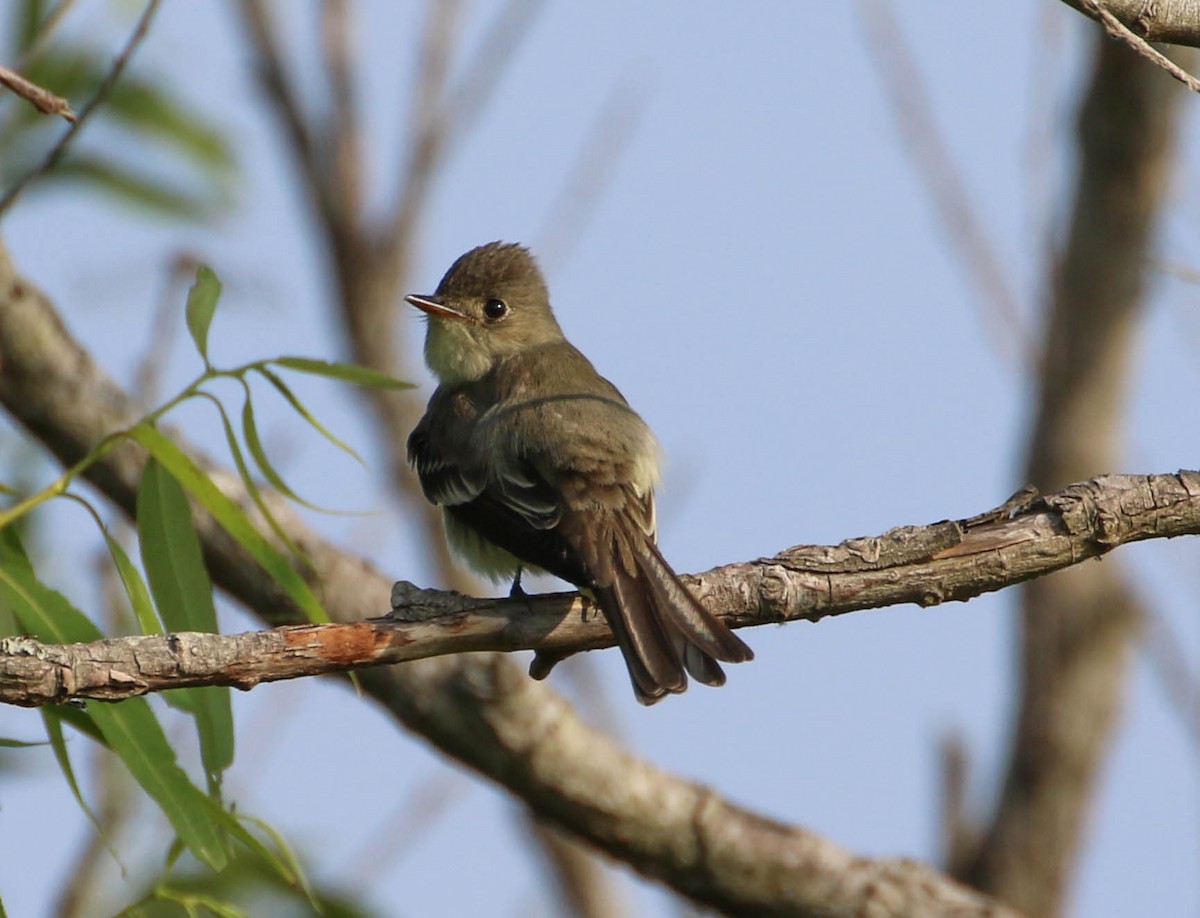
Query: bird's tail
x=664 y=633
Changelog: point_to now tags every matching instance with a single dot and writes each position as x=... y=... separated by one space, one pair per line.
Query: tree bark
x=918 y=564
x=1175 y=22
x=1078 y=626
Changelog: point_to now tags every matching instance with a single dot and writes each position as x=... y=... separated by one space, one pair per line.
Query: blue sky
x=766 y=280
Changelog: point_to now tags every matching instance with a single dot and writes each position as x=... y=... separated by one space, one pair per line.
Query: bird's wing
x=521 y=489
x=447 y=476
x=546 y=454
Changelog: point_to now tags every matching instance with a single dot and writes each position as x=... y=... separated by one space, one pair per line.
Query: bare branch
x=956 y=839
x=1175 y=22
x=306 y=146
x=56 y=152
x=1078 y=629
x=468 y=99
x=605 y=143
x=1179 y=682
x=148 y=373
x=368 y=270
x=583 y=886
x=45 y=101
x=901 y=78
x=926 y=565
x=1121 y=32
x=346 y=142
x=426 y=132
x=442 y=117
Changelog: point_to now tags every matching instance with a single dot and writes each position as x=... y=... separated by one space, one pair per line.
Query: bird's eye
x=495 y=309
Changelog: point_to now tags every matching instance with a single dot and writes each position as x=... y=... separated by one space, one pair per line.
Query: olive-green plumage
x=537 y=460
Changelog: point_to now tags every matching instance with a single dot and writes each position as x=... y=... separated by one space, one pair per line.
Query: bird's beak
x=434 y=306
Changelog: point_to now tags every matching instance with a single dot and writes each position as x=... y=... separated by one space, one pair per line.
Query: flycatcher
x=538 y=461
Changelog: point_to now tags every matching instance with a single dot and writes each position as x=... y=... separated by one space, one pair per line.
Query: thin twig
x=269 y=58
x=1179 y=683
x=426 y=131
x=148 y=373
x=955 y=834
x=1175 y=269
x=403 y=827
x=901 y=77
x=442 y=118
x=1118 y=30
x=498 y=49
x=45 y=101
x=1042 y=133
x=49 y=26
x=611 y=132
x=106 y=85
x=345 y=140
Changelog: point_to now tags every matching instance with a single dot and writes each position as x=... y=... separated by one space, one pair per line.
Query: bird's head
x=491 y=304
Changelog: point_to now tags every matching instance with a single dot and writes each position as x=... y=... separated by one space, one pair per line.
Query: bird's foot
x=516 y=591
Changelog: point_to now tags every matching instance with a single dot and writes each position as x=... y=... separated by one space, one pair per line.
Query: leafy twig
x=56 y=152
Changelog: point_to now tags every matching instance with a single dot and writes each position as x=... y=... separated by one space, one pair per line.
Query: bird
x=539 y=463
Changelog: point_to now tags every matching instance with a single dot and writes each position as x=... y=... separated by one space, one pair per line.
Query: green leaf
x=42 y=612
x=52 y=718
x=284 y=864
x=134 y=734
x=195 y=901
x=252 y=488
x=255 y=445
x=135 y=588
x=9 y=743
x=171 y=553
x=142 y=105
x=129 y=728
x=201 y=306
x=232 y=519
x=29 y=20
x=54 y=733
x=79 y=719
x=132 y=186
x=12 y=551
x=282 y=387
x=70 y=72
x=287 y=863
x=348 y=372
x=175 y=567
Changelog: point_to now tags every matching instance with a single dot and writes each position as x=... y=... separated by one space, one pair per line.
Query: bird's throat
x=451 y=353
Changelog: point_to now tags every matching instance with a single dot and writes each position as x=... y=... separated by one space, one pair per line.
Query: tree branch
x=310 y=147
x=1175 y=22
x=45 y=101
x=1123 y=33
x=920 y=136
x=920 y=564
x=1077 y=630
